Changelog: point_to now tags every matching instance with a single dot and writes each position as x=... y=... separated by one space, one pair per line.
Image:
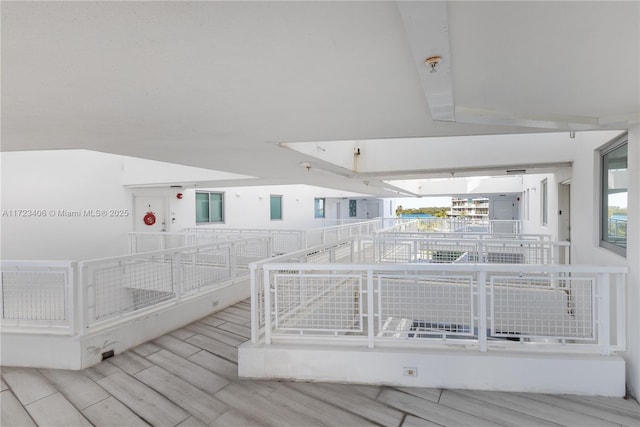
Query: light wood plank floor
x=189 y=378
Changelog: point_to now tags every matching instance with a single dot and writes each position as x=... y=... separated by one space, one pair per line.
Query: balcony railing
x=467 y=225
x=394 y=248
x=76 y=297
x=324 y=295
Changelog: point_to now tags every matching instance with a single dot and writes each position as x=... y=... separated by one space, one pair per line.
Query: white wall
x=49 y=182
x=361 y=208
x=533 y=225
x=249 y=207
x=585 y=234
x=81 y=182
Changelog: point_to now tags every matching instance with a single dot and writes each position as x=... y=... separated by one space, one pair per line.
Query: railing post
x=370 y=309
x=233 y=260
x=269 y=243
x=267 y=307
x=621 y=324
x=83 y=298
x=178 y=283
x=604 y=317
x=254 y=303
x=72 y=299
x=482 y=310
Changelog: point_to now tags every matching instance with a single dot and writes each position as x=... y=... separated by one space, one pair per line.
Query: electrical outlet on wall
x=410 y=372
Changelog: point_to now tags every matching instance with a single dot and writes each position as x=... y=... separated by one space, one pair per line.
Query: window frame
x=319 y=213
x=353 y=208
x=273 y=197
x=222 y=207
x=603 y=181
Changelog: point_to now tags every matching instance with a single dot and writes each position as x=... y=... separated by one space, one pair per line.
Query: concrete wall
x=585 y=234
x=72 y=205
x=534 y=225
x=50 y=203
x=249 y=207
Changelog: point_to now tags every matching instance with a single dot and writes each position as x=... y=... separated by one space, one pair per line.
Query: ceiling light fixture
x=432 y=62
x=306 y=165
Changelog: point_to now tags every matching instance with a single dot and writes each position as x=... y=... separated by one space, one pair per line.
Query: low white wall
x=463 y=369
x=80 y=352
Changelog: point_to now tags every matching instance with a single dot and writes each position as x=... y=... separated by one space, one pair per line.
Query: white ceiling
x=218 y=84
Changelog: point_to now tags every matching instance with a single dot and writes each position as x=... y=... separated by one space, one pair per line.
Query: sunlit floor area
x=189 y=378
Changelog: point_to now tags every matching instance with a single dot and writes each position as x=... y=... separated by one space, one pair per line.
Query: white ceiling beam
x=551 y=122
x=427 y=28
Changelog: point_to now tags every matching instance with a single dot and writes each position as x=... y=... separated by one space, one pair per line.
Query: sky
x=424 y=202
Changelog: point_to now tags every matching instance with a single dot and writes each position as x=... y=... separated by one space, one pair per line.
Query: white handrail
x=581 y=287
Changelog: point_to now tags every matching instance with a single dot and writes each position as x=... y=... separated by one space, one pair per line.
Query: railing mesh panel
x=33 y=295
x=558 y=307
x=305 y=302
x=425 y=306
x=205 y=268
x=123 y=287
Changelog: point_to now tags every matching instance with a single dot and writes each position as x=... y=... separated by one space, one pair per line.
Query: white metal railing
x=285 y=241
x=465 y=225
x=338 y=252
x=482 y=306
x=281 y=240
x=76 y=297
x=113 y=288
x=463 y=235
x=38 y=295
x=327 y=235
x=505 y=226
x=385 y=249
x=389 y=250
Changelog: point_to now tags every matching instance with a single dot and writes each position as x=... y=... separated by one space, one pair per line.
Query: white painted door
x=373 y=210
x=503 y=210
x=149 y=213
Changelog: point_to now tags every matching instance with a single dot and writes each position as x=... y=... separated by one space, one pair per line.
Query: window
x=209 y=207
x=318 y=208
x=613 y=196
x=544 y=201
x=276 y=207
x=353 y=208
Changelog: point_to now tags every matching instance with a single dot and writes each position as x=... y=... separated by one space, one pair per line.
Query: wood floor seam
x=189 y=377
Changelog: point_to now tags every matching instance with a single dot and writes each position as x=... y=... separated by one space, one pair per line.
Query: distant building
x=475 y=208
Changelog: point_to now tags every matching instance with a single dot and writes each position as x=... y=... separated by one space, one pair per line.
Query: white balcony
x=511 y=326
